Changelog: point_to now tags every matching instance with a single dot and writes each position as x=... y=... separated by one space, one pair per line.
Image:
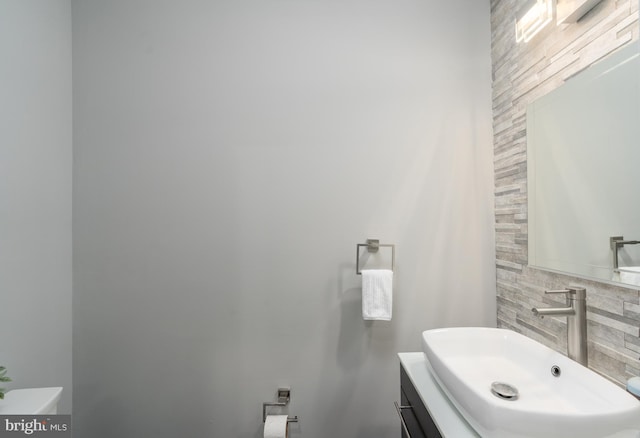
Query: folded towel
x=633 y=386
x=377 y=294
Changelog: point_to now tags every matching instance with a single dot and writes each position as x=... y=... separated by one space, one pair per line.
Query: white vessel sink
x=628 y=275
x=31 y=401
x=576 y=403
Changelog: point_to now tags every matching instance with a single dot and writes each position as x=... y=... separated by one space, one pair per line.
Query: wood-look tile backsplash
x=522 y=72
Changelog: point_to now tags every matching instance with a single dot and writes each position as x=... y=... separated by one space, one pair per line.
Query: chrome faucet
x=576 y=313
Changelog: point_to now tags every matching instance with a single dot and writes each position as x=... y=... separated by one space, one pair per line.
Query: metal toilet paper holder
x=284 y=395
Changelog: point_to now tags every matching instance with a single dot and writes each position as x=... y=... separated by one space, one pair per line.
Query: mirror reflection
x=583 y=175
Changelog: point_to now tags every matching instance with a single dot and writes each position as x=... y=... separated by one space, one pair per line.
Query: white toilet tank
x=31 y=401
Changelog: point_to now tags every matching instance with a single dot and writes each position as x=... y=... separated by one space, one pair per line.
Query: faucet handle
x=560 y=291
x=576 y=293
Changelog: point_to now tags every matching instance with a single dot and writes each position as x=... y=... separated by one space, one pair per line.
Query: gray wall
x=229 y=156
x=522 y=73
x=35 y=194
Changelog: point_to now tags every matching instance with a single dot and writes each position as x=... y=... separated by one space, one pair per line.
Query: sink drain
x=504 y=391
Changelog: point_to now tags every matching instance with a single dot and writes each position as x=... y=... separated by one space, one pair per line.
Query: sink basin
x=31 y=401
x=628 y=274
x=554 y=395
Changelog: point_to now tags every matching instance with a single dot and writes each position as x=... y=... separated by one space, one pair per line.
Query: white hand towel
x=377 y=294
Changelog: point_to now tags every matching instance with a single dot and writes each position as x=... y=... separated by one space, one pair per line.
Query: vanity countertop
x=449 y=421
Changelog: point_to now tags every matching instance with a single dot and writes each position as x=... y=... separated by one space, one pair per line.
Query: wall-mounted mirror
x=583 y=142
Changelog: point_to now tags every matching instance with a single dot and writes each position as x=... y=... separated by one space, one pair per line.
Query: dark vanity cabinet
x=417 y=423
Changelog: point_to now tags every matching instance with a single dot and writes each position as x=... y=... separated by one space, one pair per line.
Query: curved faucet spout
x=554 y=311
